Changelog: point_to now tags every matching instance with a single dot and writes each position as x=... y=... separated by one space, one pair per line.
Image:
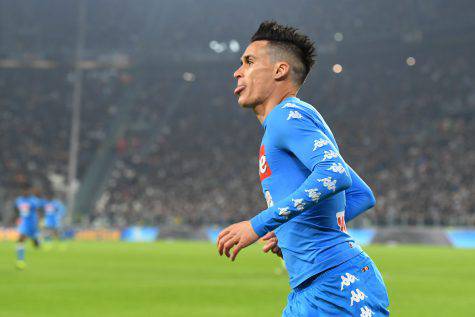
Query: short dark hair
x=290 y=41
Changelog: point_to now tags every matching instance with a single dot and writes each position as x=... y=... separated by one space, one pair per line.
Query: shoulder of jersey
x=37 y=201
x=295 y=111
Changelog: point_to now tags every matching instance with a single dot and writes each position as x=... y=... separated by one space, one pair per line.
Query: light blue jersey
x=28 y=208
x=54 y=212
x=304 y=179
x=311 y=192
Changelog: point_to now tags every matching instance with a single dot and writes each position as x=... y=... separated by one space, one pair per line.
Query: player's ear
x=281 y=70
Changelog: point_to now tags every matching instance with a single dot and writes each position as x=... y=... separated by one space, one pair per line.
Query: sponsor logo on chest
x=24 y=209
x=49 y=209
x=264 y=169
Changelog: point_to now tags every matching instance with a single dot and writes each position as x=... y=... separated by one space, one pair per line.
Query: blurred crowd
x=402 y=111
x=406 y=130
x=35 y=124
x=185 y=27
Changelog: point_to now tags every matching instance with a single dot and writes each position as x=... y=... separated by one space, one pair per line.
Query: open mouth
x=239 y=89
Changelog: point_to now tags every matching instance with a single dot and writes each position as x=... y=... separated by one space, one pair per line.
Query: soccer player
x=54 y=211
x=309 y=188
x=27 y=205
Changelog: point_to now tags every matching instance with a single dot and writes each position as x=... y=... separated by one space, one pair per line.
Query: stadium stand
x=161 y=147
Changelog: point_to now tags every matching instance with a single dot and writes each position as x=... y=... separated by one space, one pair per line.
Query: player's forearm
x=328 y=179
x=357 y=204
x=359 y=197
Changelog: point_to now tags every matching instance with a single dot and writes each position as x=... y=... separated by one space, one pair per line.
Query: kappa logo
x=366 y=312
x=313 y=194
x=284 y=211
x=328 y=155
x=347 y=280
x=264 y=169
x=294 y=115
x=329 y=183
x=357 y=296
x=337 y=168
x=299 y=204
x=319 y=143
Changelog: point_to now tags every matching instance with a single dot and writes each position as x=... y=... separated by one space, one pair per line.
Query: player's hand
x=240 y=235
x=271 y=244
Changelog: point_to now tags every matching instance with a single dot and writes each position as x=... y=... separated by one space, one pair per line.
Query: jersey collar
x=283 y=102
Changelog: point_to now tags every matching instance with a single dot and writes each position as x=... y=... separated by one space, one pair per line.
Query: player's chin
x=243 y=102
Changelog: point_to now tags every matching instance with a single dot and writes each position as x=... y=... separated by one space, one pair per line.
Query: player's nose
x=238 y=73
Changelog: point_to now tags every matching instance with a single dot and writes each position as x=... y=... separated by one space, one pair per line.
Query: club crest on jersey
x=294 y=115
x=264 y=169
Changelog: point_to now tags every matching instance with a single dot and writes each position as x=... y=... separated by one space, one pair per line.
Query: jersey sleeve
x=300 y=135
x=359 y=197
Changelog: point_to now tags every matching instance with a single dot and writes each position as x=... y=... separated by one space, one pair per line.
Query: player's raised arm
x=306 y=139
x=359 y=196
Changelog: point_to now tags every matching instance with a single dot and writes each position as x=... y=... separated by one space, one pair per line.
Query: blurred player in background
x=54 y=212
x=28 y=206
x=309 y=188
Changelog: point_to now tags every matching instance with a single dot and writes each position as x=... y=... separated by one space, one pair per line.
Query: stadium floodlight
x=234 y=46
x=189 y=77
x=217 y=47
x=338 y=36
x=411 y=61
x=337 y=68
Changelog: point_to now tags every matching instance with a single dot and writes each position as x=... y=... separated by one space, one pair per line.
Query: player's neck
x=262 y=110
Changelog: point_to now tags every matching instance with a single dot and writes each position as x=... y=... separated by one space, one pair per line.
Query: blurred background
x=124 y=109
